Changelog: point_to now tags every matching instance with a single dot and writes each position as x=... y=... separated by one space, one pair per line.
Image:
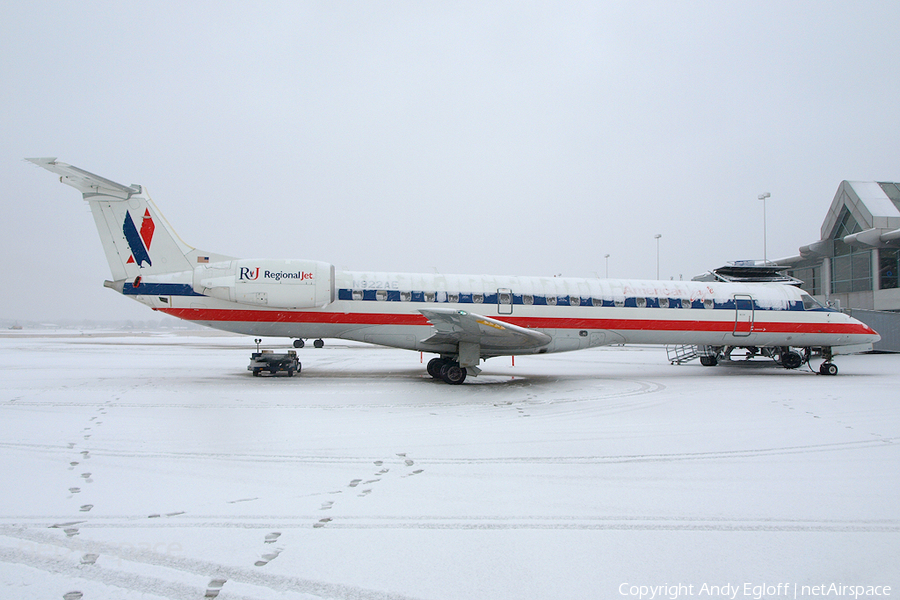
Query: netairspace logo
x=756 y=591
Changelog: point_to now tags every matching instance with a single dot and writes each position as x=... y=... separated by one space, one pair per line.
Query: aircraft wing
x=454 y=326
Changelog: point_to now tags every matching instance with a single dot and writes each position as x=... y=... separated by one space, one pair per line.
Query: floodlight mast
x=765 y=250
x=657 y=236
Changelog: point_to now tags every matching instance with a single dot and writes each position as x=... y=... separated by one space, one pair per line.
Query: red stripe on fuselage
x=269 y=316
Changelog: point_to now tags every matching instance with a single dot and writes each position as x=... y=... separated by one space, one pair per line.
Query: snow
x=153 y=465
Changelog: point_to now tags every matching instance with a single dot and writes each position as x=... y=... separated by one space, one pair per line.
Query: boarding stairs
x=685 y=353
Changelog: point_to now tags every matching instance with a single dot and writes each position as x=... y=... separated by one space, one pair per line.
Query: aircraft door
x=504 y=301
x=743 y=318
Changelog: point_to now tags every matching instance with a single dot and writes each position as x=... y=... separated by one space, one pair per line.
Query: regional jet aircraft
x=463 y=319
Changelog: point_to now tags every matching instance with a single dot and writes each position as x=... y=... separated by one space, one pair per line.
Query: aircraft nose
x=871 y=335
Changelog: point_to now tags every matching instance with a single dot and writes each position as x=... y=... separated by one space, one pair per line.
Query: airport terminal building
x=855 y=264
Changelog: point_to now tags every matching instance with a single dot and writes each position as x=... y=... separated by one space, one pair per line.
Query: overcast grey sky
x=514 y=138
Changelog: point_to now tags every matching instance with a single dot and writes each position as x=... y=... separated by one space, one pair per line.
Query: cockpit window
x=810 y=303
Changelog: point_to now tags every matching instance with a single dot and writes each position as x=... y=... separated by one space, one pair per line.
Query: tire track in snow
x=598 y=459
x=169 y=588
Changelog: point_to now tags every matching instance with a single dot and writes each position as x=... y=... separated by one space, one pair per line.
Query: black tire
x=290 y=372
x=791 y=360
x=256 y=372
x=828 y=368
x=434 y=367
x=299 y=343
x=709 y=361
x=319 y=343
x=453 y=374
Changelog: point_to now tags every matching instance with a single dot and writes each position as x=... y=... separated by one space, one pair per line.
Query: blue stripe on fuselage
x=159 y=289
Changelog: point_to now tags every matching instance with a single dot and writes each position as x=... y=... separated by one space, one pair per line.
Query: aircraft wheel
x=434 y=367
x=791 y=360
x=319 y=343
x=709 y=361
x=299 y=343
x=453 y=374
x=828 y=368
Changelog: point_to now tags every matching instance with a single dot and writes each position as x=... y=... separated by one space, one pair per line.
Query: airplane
x=463 y=319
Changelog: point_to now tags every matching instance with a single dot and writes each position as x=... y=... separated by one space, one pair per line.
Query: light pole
x=606 y=256
x=765 y=250
x=657 y=236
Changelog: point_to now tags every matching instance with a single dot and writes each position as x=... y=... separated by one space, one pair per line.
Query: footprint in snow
x=271 y=537
x=73 y=596
x=267 y=558
x=86 y=507
x=327 y=505
x=214 y=587
x=89 y=559
x=322 y=522
x=355 y=482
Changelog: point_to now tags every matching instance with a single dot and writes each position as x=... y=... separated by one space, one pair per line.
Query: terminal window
x=888 y=262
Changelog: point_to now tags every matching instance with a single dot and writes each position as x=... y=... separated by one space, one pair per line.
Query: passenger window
x=381 y=295
x=479 y=299
x=357 y=295
x=527 y=299
x=664 y=303
x=640 y=302
x=574 y=300
x=405 y=296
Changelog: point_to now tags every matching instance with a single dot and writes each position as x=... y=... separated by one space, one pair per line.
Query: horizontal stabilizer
x=86 y=183
x=455 y=326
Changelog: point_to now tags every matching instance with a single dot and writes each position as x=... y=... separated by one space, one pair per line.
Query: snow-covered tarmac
x=156 y=466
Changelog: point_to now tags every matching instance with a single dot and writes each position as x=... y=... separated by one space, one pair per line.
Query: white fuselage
x=576 y=313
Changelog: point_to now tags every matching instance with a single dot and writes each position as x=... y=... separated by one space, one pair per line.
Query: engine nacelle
x=266 y=282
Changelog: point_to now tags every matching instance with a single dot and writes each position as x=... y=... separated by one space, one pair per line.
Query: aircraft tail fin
x=136 y=238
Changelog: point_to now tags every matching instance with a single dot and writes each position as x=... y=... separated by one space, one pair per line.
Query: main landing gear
x=447 y=370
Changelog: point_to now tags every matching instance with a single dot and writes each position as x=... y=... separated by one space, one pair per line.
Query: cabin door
x=743 y=318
